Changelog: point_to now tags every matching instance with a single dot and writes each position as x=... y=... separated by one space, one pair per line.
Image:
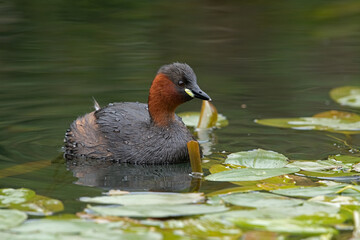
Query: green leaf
x=314 y=123
x=307 y=208
x=260 y=200
x=317 y=191
x=60 y=226
x=345 y=158
x=249 y=174
x=198 y=228
x=336 y=200
x=155 y=211
x=11 y=218
x=77 y=229
x=347 y=96
x=40 y=205
x=332 y=175
x=10 y=196
x=318 y=165
x=147 y=199
x=26 y=200
x=257 y=158
x=284 y=226
x=191 y=119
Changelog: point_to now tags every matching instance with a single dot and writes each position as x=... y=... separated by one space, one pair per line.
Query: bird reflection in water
x=130 y=177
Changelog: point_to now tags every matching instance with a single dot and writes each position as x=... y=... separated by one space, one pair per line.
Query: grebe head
x=184 y=79
x=173 y=85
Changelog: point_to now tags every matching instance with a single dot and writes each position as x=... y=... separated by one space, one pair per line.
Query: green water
x=256 y=59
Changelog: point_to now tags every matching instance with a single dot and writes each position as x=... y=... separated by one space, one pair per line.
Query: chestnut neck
x=163 y=100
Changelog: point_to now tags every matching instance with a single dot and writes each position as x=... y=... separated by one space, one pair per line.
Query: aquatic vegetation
x=207 y=118
x=332 y=121
x=257 y=158
x=155 y=211
x=28 y=201
x=268 y=194
x=249 y=174
x=147 y=199
x=346 y=96
x=10 y=218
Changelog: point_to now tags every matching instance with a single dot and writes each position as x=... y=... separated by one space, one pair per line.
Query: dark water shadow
x=129 y=177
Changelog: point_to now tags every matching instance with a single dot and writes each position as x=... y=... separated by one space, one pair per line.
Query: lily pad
x=314 y=123
x=10 y=218
x=156 y=211
x=346 y=158
x=257 y=158
x=318 y=165
x=347 y=96
x=77 y=229
x=307 y=208
x=260 y=200
x=278 y=182
x=198 y=228
x=332 y=175
x=337 y=201
x=27 y=200
x=249 y=174
x=284 y=226
x=191 y=119
x=317 y=191
x=10 y=196
x=147 y=199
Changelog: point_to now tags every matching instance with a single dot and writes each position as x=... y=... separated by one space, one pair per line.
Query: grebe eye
x=181 y=83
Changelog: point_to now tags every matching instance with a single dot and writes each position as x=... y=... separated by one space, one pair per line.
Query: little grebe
x=136 y=132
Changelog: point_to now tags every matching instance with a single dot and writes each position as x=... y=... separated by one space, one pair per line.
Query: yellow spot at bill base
x=189 y=92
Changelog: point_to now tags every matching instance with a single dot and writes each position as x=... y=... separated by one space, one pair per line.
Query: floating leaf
x=334 y=114
x=198 y=228
x=260 y=200
x=318 y=165
x=278 y=182
x=221 y=167
x=249 y=174
x=77 y=229
x=191 y=119
x=257 y=158
x=316 y=191
x=253 y=235
x=10 y=196
x=40 y=205
x=356 y=167
x=345 y=158
x=332 y=175
x=337 y=201
x=280 y=212
x=347 y=96
x=306 y=214
x=147 y=199
x=234 y=190
x=156 y=211
x=284 y=226
x=11 y=218
x=26 y=200
x=60 y=226
x=342 y=125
